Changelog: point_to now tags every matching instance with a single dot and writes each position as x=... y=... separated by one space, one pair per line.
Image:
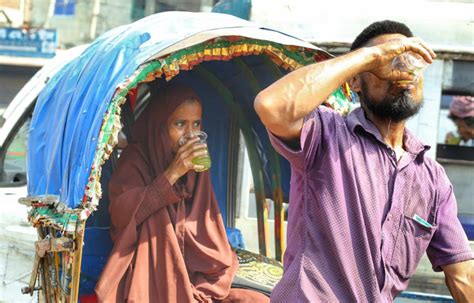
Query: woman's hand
x=383 y=55
x=182 y=162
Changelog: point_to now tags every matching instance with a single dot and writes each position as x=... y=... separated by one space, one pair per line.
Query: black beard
x=396 y=108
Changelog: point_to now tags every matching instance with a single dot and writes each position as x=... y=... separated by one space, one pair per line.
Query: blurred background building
x=32 y=31
x=68 y=23
x=446 y=25
x=81 y=21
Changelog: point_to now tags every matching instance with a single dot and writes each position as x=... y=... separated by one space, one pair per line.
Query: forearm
x=171 y=175
x=461 y=289
x=294 y=96
x=461 y=281
x=158 y=194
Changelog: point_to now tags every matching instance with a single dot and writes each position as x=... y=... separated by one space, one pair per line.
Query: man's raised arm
x=283 y=105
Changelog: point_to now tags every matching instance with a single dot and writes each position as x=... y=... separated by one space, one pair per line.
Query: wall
x=342 y=21
x=14 y=12
x=76 y=29
x=462 y=177
x=15 y=4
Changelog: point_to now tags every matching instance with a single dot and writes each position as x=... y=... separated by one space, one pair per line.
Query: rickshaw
x=90 y=105
x=93 y=101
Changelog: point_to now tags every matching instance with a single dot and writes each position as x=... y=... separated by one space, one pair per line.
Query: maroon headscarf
x=170 y=244
x=150 y=133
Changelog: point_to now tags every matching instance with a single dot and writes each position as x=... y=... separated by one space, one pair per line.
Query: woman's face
x=186 y=118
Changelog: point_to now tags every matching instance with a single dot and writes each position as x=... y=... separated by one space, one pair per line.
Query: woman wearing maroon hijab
x=170 y=243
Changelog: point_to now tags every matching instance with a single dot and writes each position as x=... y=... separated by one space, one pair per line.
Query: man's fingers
x=421 y=48
x=403 y=85
x=423 y=52
x=430 y=50
x=402 y=76
x=426 y=47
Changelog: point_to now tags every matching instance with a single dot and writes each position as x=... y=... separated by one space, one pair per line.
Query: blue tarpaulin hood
x=69 y=112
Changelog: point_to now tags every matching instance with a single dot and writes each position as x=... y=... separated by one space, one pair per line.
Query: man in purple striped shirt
x=365 y=200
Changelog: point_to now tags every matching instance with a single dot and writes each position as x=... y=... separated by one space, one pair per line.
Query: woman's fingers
x=184 y=156
x=198 y=167
x=197 y=153
x=188 y=145
x=198 y=150
x=192 y=148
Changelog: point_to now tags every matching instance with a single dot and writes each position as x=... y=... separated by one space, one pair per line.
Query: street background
x=53 y=26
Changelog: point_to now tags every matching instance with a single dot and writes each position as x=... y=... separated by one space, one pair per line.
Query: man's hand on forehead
x=387 y=49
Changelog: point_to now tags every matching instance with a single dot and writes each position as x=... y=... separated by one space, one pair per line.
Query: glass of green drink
x=204 y=160
x=412 y=63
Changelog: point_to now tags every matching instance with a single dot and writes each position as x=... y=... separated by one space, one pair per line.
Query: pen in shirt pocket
x=420 y=220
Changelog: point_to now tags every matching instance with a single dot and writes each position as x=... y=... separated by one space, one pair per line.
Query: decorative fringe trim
x=220 y=49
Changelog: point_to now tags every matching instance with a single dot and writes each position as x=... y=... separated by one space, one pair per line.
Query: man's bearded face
x=396 y=105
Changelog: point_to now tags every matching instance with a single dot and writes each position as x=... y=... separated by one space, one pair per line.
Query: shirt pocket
x=412 y=240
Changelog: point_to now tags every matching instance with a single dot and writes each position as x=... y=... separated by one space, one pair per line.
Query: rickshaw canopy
x=70 y=110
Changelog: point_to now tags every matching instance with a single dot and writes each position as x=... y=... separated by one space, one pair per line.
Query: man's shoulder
x=326 y=114
x=434 y=169
x=432 y=164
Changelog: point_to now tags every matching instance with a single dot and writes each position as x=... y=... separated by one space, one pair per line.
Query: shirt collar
x=411 y=143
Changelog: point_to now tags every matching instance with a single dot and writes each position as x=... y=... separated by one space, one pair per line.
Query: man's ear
x=355 y=84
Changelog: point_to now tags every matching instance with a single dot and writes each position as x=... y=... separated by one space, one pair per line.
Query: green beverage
x=411 y=63
x=205 y=161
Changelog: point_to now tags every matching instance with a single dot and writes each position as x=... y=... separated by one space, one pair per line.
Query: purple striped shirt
x=359 y=222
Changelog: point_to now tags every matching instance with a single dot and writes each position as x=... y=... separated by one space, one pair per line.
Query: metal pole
x=27 y=13
x=52 y=5
x=95 y=18
x=150 y=7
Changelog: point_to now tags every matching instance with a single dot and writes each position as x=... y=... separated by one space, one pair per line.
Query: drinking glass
x=411 y=63
x=204 y=160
